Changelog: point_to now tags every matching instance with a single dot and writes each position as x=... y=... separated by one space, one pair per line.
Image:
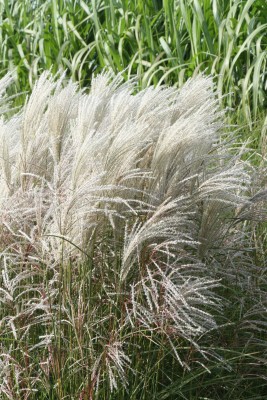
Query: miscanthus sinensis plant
x=127 y=270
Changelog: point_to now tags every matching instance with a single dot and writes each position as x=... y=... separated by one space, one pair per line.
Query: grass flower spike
x=124 y=248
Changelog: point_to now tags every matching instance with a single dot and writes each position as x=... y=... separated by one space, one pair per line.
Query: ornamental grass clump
x=127 y=269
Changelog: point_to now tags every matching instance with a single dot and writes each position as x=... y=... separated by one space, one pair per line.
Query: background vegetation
x=63 y=320
x=162 y=41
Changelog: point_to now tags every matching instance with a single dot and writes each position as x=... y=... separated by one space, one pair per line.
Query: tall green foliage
x=163 y=41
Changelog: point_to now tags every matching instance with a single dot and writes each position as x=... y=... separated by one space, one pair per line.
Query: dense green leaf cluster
x=162 y=41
